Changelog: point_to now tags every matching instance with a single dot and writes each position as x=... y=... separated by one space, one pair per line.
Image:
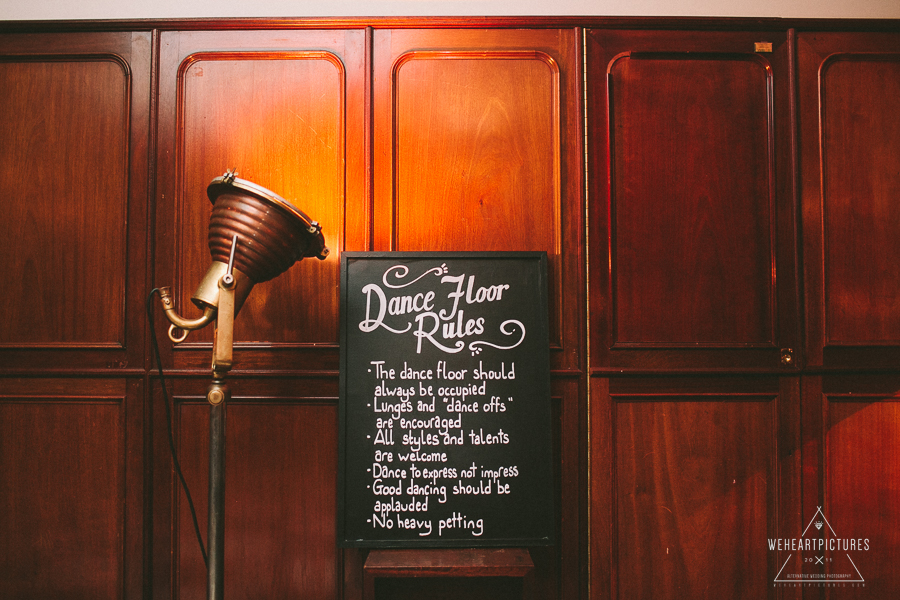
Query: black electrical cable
x=162 y=382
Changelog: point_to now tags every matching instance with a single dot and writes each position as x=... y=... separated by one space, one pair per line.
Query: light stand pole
x=218 y=395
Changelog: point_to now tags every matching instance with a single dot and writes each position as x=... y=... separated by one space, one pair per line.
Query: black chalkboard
x=445 y=422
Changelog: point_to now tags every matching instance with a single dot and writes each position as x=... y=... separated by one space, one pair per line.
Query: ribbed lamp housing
x=272 y=233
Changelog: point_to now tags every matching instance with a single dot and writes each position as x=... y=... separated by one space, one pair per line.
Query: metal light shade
x=272 y=234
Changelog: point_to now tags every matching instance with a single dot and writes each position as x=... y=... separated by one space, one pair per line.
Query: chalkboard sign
x=445 y=424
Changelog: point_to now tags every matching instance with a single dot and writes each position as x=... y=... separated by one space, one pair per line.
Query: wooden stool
x=464 y=562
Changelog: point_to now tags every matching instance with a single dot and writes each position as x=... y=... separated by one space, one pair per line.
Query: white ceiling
x=156 y=9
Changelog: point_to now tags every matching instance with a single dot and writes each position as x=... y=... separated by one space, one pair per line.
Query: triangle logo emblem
x=819 y=547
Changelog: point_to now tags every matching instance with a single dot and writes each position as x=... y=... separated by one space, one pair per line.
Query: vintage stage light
x=254 y=236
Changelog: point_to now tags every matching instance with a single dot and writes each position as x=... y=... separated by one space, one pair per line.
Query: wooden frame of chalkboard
x=445 y=417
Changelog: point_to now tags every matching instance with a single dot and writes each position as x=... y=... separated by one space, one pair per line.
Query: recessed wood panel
x=477 y=146
x=278 y=118
x=64 y=131
x=861 y=471
x=692 y=199
x=280 y=499
x=62 y=509
x=554 y=576
x=860 y=133
x=476 y=152
x=695 y=483
x=691 y=204
x=849 y=126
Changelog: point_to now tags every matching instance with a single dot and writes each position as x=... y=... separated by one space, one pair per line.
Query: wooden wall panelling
x=566 y=565
x=690 y=478
x=850 y=136
x=74 y=131
x=280 y=486
x=850 y=458
x=477 y=146
x=560 y=571
x=692 y=225
x=71 y=509
x=286 y=109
